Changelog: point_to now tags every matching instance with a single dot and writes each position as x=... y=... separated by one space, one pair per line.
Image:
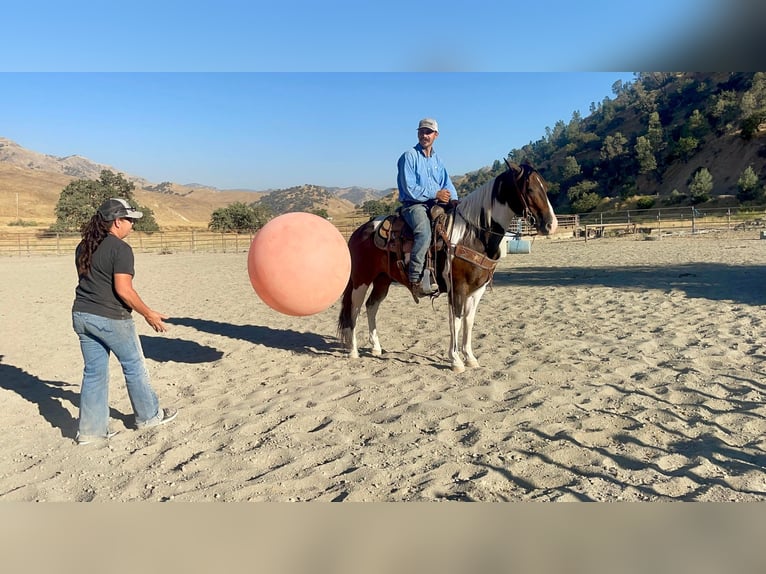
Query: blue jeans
x=416 y=216
x=98 y=337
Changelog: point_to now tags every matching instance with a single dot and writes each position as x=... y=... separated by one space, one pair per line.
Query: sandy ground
x=617 y=369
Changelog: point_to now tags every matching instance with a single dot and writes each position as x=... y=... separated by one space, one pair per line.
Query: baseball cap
x=115 y=208
x=428 y=123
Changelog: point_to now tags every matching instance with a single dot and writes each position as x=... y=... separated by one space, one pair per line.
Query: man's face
x=426 y=137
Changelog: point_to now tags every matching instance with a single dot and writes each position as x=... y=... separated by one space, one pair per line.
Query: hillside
x=31 y=195
x=31 y=182
x=647 y=144
x=641 y=148
x=653 y=138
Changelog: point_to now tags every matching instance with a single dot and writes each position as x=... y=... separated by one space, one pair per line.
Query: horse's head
x=524 y=190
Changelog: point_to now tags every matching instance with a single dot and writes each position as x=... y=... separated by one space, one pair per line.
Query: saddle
x=393 y=235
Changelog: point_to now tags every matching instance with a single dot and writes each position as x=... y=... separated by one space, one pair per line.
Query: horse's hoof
x=377 y=352
x=472 y=364
x=458 y=368
x=353 y=355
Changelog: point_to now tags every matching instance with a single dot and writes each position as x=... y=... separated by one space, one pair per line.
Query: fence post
x=659 y=224
x=728 y=219
x=58 y=245
x=694 y=221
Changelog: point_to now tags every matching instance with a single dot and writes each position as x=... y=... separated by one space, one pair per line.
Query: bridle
x=526 y=212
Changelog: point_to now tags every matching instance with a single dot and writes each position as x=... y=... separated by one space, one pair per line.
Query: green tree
x=655 y=133
x=753 y=106
x=571 y=168
x=697 y=125
x=645 y=100
x=686 y=147
x=608 y=111
x=647 y=162
x=574 y=127
x=582 y=196
x=701 y=185
x=613 y=146
x=239 y=217
x=321 y=212
x=747 y=184
x=724 y=110
x=80 y=199
x=377 y=207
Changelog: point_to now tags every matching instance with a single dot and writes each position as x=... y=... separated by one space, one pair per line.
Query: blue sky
x=255 y=94
x=274 y=130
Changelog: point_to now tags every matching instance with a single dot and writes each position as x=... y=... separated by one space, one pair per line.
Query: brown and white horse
x=475 y=240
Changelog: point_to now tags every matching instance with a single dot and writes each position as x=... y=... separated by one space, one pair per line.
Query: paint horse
x=465 y=267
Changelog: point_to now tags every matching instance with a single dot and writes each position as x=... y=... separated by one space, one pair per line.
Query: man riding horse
x=423 y=181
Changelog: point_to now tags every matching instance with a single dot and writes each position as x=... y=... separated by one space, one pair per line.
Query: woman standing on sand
x=101 y=317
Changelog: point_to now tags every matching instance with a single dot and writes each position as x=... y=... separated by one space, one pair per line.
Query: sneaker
x=82 y=440
x=167 y=415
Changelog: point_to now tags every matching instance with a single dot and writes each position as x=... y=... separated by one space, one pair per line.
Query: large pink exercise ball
x=299 y=264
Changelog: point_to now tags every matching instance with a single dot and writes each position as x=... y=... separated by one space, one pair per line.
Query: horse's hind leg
x=379 y=291
x=353 y=298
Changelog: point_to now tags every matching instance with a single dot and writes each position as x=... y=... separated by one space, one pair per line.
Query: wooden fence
x=28 y=242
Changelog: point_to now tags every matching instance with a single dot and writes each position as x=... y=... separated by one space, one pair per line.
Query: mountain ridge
x=31 y=182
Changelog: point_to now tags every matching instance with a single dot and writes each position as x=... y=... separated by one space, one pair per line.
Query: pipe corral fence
x=669 y=221
x=655 y=222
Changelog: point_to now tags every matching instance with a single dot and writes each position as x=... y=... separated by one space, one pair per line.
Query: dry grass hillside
x=726 y=157
x=31 y=195
x=31 y=182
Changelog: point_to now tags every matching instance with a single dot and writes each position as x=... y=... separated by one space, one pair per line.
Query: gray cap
x=116 y=208
x=428 y=123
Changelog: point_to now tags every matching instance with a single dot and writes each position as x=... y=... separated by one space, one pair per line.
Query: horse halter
x=526 y=213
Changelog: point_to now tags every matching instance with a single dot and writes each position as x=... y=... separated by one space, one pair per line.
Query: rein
x=480 y=259
x=524 y=215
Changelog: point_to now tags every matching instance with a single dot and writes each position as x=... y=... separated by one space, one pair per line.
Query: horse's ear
x=513 y=167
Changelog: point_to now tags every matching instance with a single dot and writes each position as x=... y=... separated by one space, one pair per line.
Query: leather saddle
x=392 y=234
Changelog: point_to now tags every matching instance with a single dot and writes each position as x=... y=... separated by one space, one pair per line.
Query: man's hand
x=443 y=196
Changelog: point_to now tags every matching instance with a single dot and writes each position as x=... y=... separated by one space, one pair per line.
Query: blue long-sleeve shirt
x=420 y=177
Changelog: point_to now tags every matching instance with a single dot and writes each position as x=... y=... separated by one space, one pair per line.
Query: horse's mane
x=475 y=209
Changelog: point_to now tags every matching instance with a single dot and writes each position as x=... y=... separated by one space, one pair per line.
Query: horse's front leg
x=379 y=292
x=471 y=305
x=456 y=318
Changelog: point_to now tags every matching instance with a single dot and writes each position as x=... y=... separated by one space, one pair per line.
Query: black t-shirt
x=95 y=292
